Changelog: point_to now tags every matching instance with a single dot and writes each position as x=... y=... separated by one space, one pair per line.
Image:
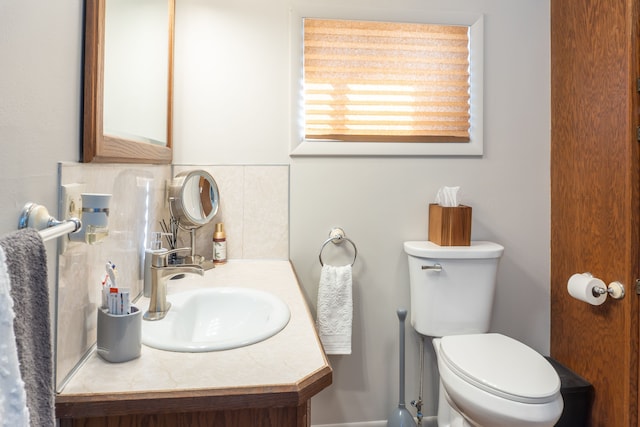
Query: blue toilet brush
x=400 y=416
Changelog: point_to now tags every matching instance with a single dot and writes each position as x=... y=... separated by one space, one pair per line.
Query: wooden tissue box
x=450 y=226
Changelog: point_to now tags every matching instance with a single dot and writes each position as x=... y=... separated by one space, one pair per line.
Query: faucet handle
x=162 y=259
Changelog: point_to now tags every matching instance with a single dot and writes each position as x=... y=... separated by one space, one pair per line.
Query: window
x=385 y=81
x=386 y=86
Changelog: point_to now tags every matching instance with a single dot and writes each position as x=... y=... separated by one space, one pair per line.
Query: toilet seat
x=501 y=366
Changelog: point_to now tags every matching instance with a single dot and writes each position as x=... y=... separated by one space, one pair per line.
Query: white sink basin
x=216 y=319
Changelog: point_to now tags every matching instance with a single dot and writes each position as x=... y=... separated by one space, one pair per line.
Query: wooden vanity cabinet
x=267 y=406
x=250 y=417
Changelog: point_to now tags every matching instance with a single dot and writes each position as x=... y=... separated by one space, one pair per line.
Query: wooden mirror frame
x=97 y=147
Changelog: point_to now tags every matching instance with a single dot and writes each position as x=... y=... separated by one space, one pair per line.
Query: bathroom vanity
x=269 y=383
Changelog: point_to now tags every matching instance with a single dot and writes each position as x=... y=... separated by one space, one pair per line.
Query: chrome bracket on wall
x=337 y=236
x=615 y=290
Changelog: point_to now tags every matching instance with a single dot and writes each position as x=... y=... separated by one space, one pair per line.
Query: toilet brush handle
x=402 y=315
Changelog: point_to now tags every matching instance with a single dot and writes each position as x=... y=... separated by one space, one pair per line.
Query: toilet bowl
x=492 y=380
x=486 y=380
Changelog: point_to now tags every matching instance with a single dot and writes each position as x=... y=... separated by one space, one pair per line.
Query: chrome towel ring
x=337 y=237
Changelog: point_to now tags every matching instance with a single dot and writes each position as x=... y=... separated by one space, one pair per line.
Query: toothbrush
x=104 y=291
x=111 y=272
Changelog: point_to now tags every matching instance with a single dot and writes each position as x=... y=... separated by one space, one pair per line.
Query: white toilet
x=486 y=380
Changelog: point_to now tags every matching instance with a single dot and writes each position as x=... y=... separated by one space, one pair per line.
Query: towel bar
x=337 y=236
x=37 y=216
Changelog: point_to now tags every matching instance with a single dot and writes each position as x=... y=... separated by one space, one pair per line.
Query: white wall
x=232 y=91
x=40 y=84
x=40 y=43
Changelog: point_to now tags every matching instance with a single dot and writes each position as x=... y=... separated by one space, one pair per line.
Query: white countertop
x=286 y=358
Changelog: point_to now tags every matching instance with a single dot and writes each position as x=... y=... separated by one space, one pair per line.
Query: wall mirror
x=128 y=79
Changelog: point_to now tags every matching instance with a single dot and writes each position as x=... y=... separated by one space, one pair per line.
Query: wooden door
x=594 y=197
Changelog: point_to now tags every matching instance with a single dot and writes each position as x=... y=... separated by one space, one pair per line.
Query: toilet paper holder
x=615 y=289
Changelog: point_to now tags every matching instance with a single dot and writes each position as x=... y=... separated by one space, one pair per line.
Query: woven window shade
x=386 y=81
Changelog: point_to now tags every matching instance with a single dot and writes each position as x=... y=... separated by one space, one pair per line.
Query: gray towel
x=26 y=262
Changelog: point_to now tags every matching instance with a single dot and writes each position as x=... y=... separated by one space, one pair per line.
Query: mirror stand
x=193 y=258
x=193 y=202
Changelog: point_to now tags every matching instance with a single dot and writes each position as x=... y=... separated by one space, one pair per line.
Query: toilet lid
x=501 y=366
x=477 y=249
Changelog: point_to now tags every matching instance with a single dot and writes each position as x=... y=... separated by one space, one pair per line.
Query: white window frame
x=302 y=147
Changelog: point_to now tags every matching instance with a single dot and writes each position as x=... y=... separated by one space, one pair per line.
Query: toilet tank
x=452 y=287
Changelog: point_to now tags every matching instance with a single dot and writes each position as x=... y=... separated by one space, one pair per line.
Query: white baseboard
x=426 y=422
x=382 y=423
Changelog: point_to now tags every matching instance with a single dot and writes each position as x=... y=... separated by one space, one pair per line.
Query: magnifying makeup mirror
x=193 y=202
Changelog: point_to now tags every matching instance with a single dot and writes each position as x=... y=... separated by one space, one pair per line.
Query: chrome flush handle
x=435 y=267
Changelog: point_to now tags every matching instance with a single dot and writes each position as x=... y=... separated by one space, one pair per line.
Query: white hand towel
x=13 y=397
x=335 y=309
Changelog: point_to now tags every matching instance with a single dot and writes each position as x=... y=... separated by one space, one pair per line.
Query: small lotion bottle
x=219 y=244
x=155 y=247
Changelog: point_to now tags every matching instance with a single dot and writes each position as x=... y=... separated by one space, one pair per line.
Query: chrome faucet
x=161 y=272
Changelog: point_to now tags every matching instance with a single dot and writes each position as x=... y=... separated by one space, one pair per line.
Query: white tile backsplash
x=254 y=207
x=266 y=213
x=136 y=205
